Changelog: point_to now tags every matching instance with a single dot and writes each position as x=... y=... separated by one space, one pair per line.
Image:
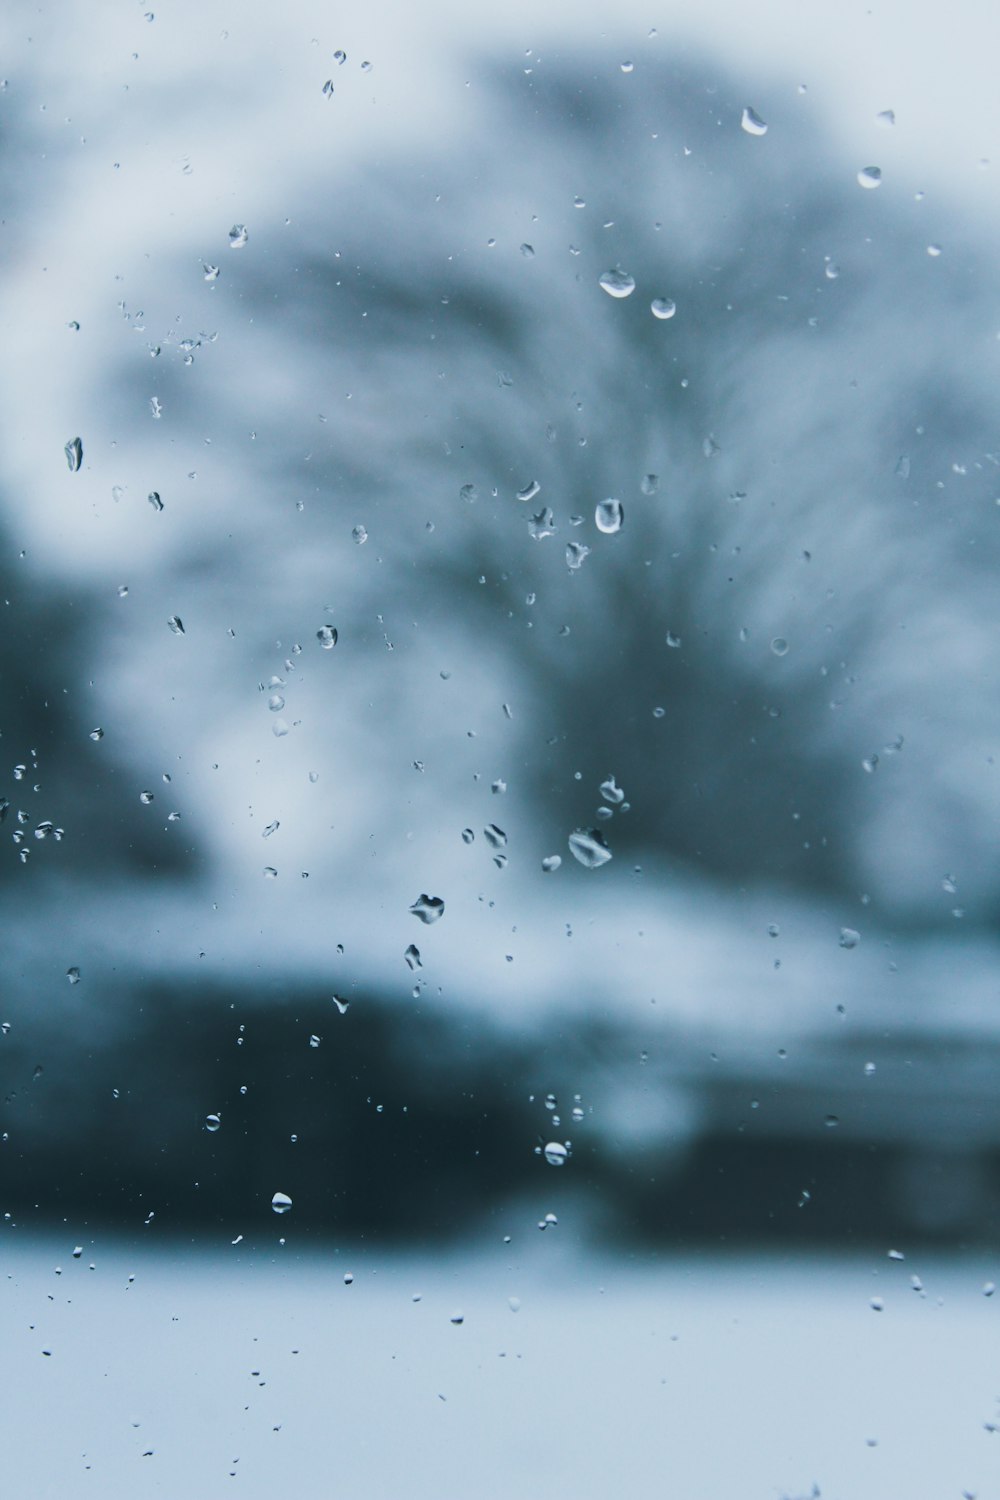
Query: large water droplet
x=281 y=1203
x=609 y=516
x=870 y=177
x=556 y=1154
x=74 y=454
x=428 y=909
x=752 y=122
x=617 y=283
x=587 y=845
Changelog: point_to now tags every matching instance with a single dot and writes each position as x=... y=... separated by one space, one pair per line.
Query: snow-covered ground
x=221 y=1370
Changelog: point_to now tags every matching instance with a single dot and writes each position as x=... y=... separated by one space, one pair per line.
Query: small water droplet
x=145 y=798
x=412 y=956
x=617 y=283
x=97 y=734
x=74 y=454
x=154 y=500
x=467 y=835
x=886 y=117
x=528 y=251
x=73 y=975
x=238 y=236
x=627 y=67
x=779 y=646
x=870 y=177
x=360 y=535
x=751 y=122
x=551 y=863
x=934 y=251
x=281 y=1203
x=428 y=909
x=342 y=1005
x=876 y=1304
x=650 y=484
x=530 y=491
x=556 y=1154
x=609 y=516
x=270 y=873
x=458 y=1319
x=576 y=552
x=212 y=1123
x=176 y=624
x=849 y=938
x=366 y=67
x=611 y=792
x=831 y=1122
x=328 y=88
x=663 y=307
x=314 y=1041
x=587 y=845
x=211 y=273
x=494 y=836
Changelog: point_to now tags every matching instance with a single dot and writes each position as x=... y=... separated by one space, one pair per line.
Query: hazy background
x=322 y=326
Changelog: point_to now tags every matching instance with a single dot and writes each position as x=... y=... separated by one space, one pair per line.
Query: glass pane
x=499 y=796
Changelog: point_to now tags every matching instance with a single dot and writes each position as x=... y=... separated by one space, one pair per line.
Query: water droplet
x=551 y=863
x=650 y=484
x=74 y=454
x=467 y=836
x=155 y=408
x=659 y=713
x=588 y=846
x=176 y=624
x=617 y=283
x=627 y=67
x=279 y=728
x=663 y=307
x=849 y=938
x=752 y=123
x=97 y=734
x=934 y=251
x=575 y=554
x=342 y=1005
x=543 y=524
x=212 y=273
x=212 y=1123
x=611 y=792
x=281 y=1203
x=428 y=909
x=154 y=500
x=989 y=1288
x=876 y=1304
x=831 y=1122
x=556 y=1154
x=886 y=117
x=458 y=1318
x=530 y=491
x=314 y=1041
x=270 y=873
x=412 y=956
x=276 y=703
x=238 y=236
x=123 y=591
x=494 y=836
x=271 y=828
x=366 y=67
x=870 y=177
x=145 y=798
x=869 y=1069
x=73 y=975
x=609 y=516
x=328 y=88
x=779 y=646
x=360 y=535
x=528 y=251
